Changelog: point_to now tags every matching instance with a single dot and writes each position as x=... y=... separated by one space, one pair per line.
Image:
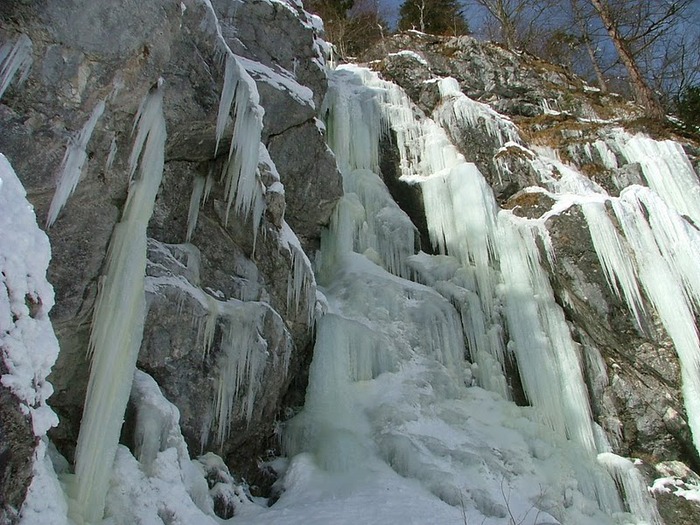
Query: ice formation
x=381 y=333
x=72 y=165
x=637 y=497
x=666 y=169
x=15 y=58
x=242 y=187
x=117 y=325
x=665 y=249
x=243 y=357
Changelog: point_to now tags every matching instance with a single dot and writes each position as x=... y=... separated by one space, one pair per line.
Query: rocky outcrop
x=86 y=54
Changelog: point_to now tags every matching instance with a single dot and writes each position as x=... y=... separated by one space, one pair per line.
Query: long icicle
x=117 y=325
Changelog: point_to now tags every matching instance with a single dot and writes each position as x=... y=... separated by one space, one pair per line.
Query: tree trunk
x=596 y=67
x=642 y=92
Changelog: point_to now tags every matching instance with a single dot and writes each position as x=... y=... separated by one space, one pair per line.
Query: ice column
x=547 y=356
x=117 y=324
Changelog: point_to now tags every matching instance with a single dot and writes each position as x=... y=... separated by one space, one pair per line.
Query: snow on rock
x=281 y=79
x=458 y=110
x=29 y=346
x=45 y=501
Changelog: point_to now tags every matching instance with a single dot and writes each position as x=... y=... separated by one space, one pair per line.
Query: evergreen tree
x=438 y=17
x=689 y=107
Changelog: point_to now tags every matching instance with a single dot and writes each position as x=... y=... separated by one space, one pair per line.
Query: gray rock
x=86 y=52
x=17 y=444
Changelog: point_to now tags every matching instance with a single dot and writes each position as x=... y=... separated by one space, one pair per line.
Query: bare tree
x=636 y=27
x=582 y=23
x=517 y=21
x=439 y=17
x=351 y=25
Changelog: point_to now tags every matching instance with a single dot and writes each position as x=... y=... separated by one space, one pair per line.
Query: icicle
x=195 y=199
x=111 y=155
x=117 y=325
x=14 y=58
x=301 y=283
x=668 y=271
x=616 y=263
x=73 y=163
x=640 y=503
x=226 y=101
x=547 y=356
x=666 y=169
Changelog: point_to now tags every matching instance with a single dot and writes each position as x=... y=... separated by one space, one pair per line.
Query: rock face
x=231 y=302
x=86 y=53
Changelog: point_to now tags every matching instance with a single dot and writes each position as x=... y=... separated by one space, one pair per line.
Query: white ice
x=15 y=58
x=73 y=163
x=117 y=324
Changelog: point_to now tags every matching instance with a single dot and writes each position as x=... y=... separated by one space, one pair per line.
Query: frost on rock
x=73 y=163
x=15 y=58
x=117 y=324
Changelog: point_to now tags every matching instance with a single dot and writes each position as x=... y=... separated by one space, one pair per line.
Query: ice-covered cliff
x=456 y=286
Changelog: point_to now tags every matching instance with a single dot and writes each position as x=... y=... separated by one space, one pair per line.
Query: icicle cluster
x=117 y=325
x=72 y=165
x=242 y=358
x=15 y=58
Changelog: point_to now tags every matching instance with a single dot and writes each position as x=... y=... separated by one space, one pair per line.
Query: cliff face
x=230 y=289
x=87 y=54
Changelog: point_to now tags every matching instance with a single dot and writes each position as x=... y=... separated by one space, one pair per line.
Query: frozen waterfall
x=488 y=302
x=399 y=366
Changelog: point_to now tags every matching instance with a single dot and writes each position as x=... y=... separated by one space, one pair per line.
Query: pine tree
x=438 y=17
